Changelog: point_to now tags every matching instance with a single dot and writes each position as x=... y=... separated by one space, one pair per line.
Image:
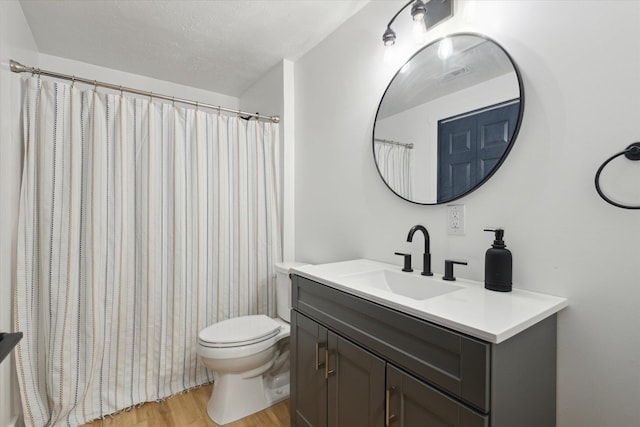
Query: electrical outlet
x=455 y=220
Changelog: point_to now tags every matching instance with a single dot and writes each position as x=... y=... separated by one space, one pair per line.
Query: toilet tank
x=283 y=288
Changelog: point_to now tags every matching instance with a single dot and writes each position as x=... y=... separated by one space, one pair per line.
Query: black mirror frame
x=507 y=150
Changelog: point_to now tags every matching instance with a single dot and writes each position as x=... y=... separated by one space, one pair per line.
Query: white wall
x=16 y=42
x=265 y=95
x=580 y=63
x=273 y=95
x=136 y=81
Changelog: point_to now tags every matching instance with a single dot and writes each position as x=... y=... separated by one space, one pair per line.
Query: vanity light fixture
x=428 y=17
x=389 y=37
x=418 y=10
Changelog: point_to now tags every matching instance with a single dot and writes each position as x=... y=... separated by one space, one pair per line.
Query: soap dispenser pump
x=498 y=264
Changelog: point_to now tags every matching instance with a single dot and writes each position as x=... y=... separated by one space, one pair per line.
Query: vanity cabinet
x=338 y=382
x=358 y=363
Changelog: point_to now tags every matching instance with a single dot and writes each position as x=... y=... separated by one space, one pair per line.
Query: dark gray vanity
x=355 y=362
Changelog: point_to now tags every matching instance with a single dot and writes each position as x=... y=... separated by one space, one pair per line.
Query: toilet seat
x=239 y=331
x=245 y=348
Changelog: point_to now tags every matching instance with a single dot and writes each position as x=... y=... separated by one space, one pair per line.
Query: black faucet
x=426 y=257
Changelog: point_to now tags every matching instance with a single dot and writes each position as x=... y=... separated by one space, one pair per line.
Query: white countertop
x=473 y=310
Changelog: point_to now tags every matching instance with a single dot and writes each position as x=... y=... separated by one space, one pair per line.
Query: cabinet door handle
x=387 y=413
x=327 y=371
x=318 y=364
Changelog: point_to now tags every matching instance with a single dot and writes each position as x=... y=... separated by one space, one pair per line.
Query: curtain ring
x=150 y=96
x=197 y=105
x=121 y=91
x=95 y=86
x=73 y=80
x=173 y=101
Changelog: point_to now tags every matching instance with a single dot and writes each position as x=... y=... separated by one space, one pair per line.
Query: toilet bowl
x=249 y=356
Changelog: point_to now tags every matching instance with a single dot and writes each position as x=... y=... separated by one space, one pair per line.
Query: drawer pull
x=388 y=415
x=327 y=371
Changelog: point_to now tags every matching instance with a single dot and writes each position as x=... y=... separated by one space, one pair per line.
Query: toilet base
x=236 y=397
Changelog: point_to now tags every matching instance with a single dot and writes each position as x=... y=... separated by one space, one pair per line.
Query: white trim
x=288 y=168
x=481 y=110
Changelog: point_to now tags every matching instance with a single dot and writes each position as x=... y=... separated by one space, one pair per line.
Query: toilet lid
x=238 y=331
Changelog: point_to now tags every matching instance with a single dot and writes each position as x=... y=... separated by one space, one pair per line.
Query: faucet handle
x=407 y=261
x=448 y=269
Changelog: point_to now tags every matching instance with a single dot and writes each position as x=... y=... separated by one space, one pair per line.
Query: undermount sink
x=400 y=283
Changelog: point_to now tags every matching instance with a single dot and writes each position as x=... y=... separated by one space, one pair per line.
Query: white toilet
x=250 y=357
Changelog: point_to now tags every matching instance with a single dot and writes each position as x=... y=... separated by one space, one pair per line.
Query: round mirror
x=448 y=119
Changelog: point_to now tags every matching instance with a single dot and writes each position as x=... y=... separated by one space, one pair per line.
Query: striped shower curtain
x=140 y=224
x=395 y=164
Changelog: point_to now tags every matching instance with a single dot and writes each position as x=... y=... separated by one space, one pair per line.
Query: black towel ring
x=632 y=152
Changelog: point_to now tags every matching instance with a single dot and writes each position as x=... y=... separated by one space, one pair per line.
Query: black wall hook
x=632 y=152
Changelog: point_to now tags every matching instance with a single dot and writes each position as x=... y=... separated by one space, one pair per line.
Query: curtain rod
x=409 y=145
x=17 y=67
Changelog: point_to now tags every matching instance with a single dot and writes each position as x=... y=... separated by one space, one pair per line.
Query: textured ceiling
x=474 y=61
x=219 y=45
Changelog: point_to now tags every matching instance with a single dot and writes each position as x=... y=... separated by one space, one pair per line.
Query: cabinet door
x=355 y=385
x=411 y=402
x=308 y=385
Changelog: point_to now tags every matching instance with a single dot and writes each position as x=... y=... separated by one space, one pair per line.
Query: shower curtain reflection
x=395 y=164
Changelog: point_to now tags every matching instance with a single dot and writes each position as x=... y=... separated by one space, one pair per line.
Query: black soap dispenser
x=498 y=264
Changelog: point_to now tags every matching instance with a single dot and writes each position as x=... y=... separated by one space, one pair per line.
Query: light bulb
x=418 y=11
x=389 y=37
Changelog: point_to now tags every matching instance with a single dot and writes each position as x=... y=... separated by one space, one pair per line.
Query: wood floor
x=190 y=410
